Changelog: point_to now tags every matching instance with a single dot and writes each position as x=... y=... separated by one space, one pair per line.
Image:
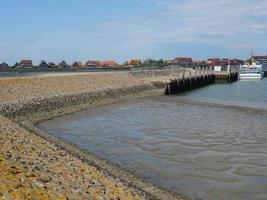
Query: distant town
x=183 y=61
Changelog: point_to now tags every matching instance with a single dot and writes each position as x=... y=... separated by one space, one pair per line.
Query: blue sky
x=54 y=30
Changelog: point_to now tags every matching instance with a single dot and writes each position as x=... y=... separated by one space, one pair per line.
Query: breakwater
x=38 y=165
x=58 y=95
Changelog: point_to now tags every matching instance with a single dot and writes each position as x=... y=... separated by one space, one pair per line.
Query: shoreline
x=128 y=178
x=49 y=108
x=32 y=112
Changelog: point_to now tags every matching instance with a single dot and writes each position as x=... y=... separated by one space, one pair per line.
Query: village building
x=224 y=62
x=134 y=62
x=202 y=63
x=183 y=60
x=3 y=65
x=52 y=65
x=77 y=64
x=63 y=64
x=261 y=59
x=169 y=62
x=148 y=61
x=214 y=62
x=93 y=64
x=25 y=64
x=109 y=63
x=236 y=62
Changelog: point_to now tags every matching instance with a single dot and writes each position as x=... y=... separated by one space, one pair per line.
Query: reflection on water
x=249 y=93
x=201 y=150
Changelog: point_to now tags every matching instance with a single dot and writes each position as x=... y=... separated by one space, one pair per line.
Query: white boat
x=251 y=71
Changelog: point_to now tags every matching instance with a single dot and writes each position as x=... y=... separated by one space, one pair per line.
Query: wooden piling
x=200 y=79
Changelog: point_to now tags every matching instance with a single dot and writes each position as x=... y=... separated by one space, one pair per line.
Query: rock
x=38 y=184
x=44 y=178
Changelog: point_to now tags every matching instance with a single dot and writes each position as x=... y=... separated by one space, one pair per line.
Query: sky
x=54 y=30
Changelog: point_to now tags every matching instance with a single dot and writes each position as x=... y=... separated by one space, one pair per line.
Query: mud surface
x=202 y=150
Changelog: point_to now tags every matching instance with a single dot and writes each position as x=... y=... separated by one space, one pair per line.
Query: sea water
x=210 y=143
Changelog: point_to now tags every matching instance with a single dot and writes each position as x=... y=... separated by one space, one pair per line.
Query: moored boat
x=251 y=71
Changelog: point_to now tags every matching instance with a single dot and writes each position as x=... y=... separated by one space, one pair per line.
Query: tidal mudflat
x=198 y=149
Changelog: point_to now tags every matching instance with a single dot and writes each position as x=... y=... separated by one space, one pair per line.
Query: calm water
x=199 y=149
x=247 y=93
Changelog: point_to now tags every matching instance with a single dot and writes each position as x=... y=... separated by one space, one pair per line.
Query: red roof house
x=236 y=62
x=134 y=62
x=25 y=63
x=109 y=63
x=261 y=59
x=214 y=61
x=187 y=60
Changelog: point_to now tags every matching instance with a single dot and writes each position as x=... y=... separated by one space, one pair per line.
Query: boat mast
x=252 y=56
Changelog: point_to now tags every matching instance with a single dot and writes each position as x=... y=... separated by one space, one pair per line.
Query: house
x=25 y=64
x=77 y=64
x=213 y=61
x=224 y=62
x=236 y=62
x=183 y=60
x=109 y=63
x=52 y=65
x=93 y=63
x=169 y=62
x=202 y=63
x=261 y=59
x=43 y=64
x=148 y=61
x=63 y=64
x=3 y=65
x=134 y=62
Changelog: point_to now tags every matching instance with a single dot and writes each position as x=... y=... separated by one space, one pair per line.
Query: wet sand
x=199 y=149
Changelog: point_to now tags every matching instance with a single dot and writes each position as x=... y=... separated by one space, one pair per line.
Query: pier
x=229 y=76
x=188 y=80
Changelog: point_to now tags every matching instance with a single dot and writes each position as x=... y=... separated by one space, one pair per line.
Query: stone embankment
x=35 y=165
x=31 y=95
x=32 y=168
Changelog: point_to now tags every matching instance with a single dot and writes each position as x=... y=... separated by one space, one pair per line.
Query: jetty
x=188 y=79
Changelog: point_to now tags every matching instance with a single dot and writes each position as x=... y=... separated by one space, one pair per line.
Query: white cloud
x=230 y=23
x=232 y=27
